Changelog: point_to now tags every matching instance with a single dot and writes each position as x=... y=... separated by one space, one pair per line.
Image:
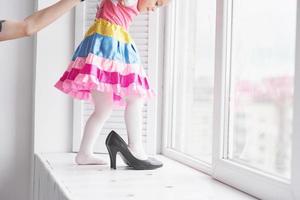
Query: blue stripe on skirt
x=109 y=48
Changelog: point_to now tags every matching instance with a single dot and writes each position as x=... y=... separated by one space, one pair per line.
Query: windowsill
x=58 y=177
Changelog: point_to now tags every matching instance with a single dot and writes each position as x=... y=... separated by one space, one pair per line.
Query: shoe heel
x=112 y=155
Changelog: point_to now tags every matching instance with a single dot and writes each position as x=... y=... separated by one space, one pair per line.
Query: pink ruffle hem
x=97 y=73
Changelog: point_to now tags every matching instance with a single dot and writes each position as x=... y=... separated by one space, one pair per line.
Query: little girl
x=106 y=71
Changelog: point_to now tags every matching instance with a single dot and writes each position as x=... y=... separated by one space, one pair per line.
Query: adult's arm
x=37 y=21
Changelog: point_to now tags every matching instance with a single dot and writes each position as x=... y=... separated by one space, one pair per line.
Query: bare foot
x=81 y=159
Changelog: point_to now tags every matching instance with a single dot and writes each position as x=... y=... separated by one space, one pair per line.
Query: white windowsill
x=57 y=177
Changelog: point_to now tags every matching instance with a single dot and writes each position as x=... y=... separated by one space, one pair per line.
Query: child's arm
x=36 y=21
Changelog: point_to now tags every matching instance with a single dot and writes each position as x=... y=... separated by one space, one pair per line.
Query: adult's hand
x=37 y=21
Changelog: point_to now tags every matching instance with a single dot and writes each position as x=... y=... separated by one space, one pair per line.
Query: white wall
x=15 y=107
x=53 y=109
x=16 y=68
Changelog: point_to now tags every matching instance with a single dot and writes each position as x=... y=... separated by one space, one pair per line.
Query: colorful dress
x=107 y=59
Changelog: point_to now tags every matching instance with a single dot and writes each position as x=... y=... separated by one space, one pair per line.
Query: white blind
x=139 y=30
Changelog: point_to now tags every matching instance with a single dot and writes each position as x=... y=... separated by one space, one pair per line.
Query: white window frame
x=153 y=71
x=244 y=178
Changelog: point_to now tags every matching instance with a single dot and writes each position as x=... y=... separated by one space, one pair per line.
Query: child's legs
x=133 y=120
x=103 y=108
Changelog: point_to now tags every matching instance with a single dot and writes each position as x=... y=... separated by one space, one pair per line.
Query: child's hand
x=162 y=3
x=122 y=2
x=125 y=2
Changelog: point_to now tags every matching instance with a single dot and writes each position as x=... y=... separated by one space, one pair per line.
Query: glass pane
x=262 y=73
x=194 y=77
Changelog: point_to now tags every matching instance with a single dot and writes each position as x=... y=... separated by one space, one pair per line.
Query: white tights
x=103 y=108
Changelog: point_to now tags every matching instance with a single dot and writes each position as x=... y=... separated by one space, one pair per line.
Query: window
x=231 y=93
x=262 y=84
x=192 y=57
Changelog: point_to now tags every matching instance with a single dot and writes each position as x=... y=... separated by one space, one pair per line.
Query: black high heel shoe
x=115 y=144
